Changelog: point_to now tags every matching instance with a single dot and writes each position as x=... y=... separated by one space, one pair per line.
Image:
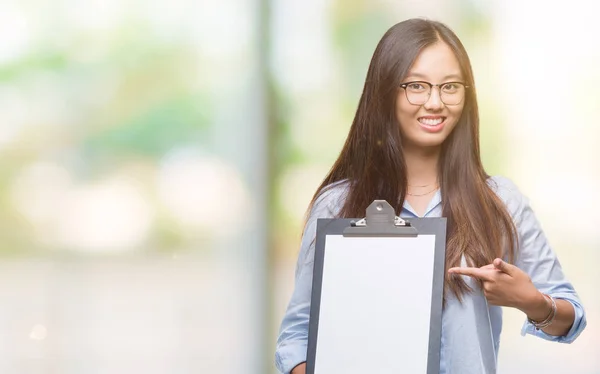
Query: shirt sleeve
x=538 y=260
x=292 y=342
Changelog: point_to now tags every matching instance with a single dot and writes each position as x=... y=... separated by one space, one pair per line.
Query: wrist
x=538 y=307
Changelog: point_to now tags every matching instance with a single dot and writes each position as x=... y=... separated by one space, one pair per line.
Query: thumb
x=504 y=266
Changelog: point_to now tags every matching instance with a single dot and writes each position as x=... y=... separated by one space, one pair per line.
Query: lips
x=432 y=123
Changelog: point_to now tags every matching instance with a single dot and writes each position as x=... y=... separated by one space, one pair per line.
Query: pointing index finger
x=483 y=274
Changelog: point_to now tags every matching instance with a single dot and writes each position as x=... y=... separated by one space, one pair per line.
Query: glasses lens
x=452 y=93
x=417 y=93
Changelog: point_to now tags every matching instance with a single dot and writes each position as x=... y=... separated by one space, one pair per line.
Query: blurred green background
x=157 y=158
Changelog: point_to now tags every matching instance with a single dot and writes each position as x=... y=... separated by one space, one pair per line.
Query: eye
x=416 y=87
x=451 y=87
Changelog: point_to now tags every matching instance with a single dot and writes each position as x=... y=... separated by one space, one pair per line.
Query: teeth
x=431 y=122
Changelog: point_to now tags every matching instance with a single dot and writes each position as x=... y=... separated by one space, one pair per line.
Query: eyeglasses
x=418 y=93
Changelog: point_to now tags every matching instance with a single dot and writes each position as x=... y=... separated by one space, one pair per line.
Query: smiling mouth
x=431 y=121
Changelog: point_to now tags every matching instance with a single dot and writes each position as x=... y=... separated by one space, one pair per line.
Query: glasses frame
x=431 y=85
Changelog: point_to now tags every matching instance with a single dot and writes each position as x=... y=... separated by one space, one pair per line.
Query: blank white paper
x=375 y=305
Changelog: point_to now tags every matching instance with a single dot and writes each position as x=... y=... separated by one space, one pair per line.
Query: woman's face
x=428 y=123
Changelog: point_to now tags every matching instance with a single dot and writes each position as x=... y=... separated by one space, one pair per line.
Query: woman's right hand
x=300 y=369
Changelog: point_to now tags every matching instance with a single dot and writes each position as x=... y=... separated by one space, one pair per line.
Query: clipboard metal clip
x=381 y=220
x=363 y=222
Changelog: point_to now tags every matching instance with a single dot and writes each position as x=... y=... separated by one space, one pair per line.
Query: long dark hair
x=372 y=162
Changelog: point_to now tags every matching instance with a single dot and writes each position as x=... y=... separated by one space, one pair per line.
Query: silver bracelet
x=548 y=320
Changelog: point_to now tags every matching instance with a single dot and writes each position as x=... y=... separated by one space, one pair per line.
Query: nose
x=435 y=101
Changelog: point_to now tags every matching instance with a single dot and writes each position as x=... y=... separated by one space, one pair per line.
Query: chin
x=430 y=141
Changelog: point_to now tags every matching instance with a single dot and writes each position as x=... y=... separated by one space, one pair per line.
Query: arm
x=537 y=272
x=507 y=285
x=292 y=343
x=536 y=258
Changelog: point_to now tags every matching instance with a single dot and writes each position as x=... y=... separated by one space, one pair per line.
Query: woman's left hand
x=504 y=284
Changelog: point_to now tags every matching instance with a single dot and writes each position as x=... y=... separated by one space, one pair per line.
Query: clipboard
x=376 y=302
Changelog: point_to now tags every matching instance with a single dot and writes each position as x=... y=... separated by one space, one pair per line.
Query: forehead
x=436 y=62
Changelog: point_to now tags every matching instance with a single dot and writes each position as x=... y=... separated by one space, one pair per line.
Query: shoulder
x=331 y=199
x=503 y=187
x=509 y=193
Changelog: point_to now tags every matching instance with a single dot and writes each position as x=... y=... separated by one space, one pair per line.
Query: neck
x=422 y=165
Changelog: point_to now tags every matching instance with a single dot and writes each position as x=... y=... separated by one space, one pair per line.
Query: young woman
x=414 y=142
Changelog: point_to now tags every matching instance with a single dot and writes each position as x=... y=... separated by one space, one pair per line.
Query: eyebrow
x=449 y=76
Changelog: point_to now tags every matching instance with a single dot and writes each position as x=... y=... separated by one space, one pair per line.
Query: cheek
x=405 y=111
x=455 y=113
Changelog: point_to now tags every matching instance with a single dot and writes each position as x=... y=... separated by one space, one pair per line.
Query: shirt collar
x=435 y=201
